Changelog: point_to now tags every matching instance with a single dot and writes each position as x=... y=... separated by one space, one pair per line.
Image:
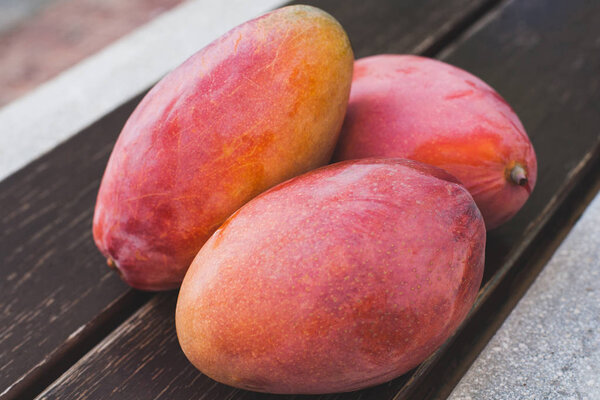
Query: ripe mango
x=261 y=104
x=342 y=278
x=429 y=111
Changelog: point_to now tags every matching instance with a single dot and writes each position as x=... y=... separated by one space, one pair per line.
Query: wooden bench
x=70 y=329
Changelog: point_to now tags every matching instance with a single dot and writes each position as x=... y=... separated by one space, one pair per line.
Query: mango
x=342 y=278
x=263 y=103
x=426 y=110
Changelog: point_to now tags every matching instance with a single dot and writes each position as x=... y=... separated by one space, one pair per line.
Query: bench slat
x=55 y=287
x=543 y=57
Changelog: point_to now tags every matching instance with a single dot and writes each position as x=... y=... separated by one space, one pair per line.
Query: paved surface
x=12 y=12
x=549 y=346
x=41 y=38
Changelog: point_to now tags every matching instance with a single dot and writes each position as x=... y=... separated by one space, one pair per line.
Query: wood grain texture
x=57 y=297
x=402 y=26
x=543 y=57
x=546 y=66
x=142 y=360
x=437 y=377
x=55 y=289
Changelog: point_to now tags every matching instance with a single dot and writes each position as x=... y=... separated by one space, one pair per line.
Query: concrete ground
x=41 y=38
x=549 y=346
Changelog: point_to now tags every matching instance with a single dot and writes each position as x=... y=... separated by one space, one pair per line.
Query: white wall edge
x=37 y=122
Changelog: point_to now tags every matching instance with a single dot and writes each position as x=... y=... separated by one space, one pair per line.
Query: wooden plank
x=547 y=68
x=56 y=295
x=407 y=26
x=142 y=360
x=548 y=71
x=441 y=373
x=56 y=292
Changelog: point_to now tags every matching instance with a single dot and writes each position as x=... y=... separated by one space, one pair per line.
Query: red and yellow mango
x=263 y=103
x=342 y=278
x=429 y=111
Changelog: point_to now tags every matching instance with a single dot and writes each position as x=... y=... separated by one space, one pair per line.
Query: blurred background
x=41 y=38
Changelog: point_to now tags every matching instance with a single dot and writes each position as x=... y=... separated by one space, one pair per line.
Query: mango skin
x=342 y=278
x=261 y=104
x=426 y=110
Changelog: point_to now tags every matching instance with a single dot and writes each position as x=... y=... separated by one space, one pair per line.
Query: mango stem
x=518 y=175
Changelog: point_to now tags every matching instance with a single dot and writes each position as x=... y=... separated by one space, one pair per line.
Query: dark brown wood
x=543 y=57
x=57 y=297
x=547 y=67
x=402 y=26
x=437 y=377
x=56 y=294
x=142 y=360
